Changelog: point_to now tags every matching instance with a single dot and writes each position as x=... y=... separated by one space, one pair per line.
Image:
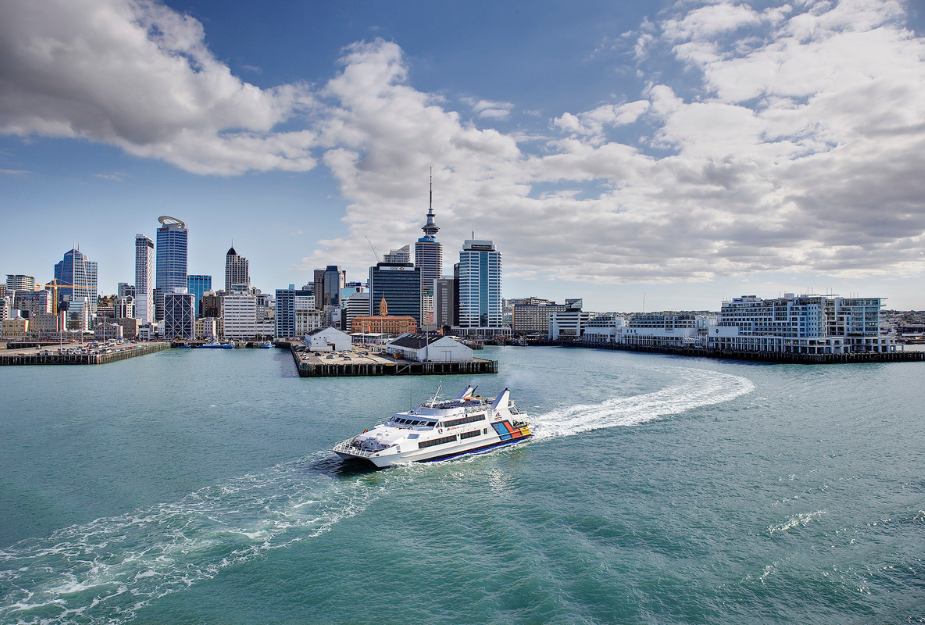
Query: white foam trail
x=696 y=388
x=105 y=570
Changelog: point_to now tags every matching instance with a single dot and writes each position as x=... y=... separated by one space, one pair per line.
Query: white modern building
x=239 y=313
x=801 y=324
x=424 y=348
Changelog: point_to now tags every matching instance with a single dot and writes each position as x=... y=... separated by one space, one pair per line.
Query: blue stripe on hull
x=477 y=450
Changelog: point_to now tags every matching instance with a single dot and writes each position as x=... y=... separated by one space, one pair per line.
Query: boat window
x=469 y=419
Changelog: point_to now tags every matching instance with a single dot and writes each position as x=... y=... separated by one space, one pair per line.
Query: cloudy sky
x=672 y=153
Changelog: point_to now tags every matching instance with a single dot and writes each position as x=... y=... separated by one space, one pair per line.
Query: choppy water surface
x=196 y=486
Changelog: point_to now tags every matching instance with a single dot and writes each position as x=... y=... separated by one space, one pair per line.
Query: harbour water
x=197 y=486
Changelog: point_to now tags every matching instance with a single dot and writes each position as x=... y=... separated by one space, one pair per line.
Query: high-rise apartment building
x=479 y=285
x=400 y=285
x=144 y=279
x=401 y=255
x=197 y=285
x=19 y=282
x=170 y=265
x=81 y=273
x=237 y=272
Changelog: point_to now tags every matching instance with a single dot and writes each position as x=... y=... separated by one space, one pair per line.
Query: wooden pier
x=373 y=364
x=72 y=356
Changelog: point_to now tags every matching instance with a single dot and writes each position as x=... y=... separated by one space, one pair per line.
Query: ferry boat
x=441 y=430
x=214 y=344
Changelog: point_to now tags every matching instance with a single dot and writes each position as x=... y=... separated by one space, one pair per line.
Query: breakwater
x=77 y=356
x=778 y=357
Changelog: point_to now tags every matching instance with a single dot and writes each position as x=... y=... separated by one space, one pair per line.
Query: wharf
x=776 y=357
x=361 y=362
x=77 y=355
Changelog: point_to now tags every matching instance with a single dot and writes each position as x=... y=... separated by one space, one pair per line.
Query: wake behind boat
x=441 y=430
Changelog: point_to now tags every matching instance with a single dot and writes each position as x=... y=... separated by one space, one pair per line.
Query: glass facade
x=76 y=269
x=196 y=285
x=400 y=285
x=170 y=270
x=286 y=305
x=479 y=283
x=144 y=279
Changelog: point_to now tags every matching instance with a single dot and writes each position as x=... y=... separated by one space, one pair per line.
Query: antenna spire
x=431 y=205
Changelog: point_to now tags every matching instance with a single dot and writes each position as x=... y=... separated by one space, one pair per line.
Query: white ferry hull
x=437 y=431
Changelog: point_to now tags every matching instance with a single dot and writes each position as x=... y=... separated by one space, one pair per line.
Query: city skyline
x=661 y=158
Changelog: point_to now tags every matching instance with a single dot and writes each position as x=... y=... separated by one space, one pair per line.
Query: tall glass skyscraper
x=479 y=285
x=77 y=270
x=170 y=272
x=144 y=278
x=400 y=285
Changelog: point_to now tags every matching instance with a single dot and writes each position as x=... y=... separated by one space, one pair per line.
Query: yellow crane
x=54 y=292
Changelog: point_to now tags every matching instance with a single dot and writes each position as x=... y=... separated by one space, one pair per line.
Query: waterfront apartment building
x=144 y=279
x=479 y=287
x=530 y=315
x=19 y=282
x=171 y=260
x=803 y=324
x=197 y=285
x=237 y=272
x=399 y=284
x=179 y=316
x=80 y=272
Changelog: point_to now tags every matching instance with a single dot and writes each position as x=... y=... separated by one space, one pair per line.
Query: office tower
x=170 y=265
x=444 y=302
x=237 y=273
x=197 y=285
x=179 y=317
x=124 y=307
x=19 y=282
x=125 y=289
x=400 y=285
x=81 y=273
x=240 y=316
x=210 y=305
x=357 y=305
x=401 y=255
x=144 y=279
x=288 y=302
x=428 y=255
x=32 y=303
x=328 y=285
x=479 y=285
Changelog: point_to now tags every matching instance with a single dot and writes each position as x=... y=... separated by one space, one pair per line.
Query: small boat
x=267 y=345
x=213 y=344
x=441 y=430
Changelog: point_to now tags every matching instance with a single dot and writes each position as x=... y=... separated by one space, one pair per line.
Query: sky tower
x=428 y=255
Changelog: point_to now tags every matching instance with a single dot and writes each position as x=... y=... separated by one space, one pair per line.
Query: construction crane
x=54 y=290
x=378 y=260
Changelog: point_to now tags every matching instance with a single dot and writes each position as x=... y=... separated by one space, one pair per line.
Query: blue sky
x=672 y=153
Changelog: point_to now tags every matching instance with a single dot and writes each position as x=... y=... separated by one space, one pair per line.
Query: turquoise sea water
x=197 y=486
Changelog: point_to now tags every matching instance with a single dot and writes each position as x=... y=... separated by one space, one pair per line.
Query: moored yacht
x=441 y=430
